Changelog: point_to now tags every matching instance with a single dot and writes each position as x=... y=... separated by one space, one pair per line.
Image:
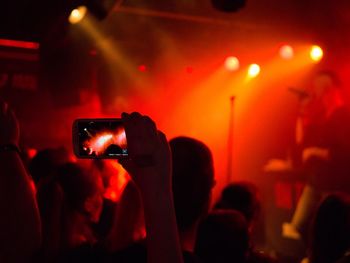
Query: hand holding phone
x=149 y=164
x=149 y=150
x=134 y=140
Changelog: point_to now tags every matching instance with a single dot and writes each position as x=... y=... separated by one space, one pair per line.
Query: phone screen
x=99 y=138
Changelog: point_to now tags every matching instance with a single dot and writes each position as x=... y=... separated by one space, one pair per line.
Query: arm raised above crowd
x=19 y=217
x=150 y=167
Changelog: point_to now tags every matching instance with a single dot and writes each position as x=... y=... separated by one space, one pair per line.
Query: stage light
x=254 y=70
x=142 y=68
x=286 y=52
x=32 y=152
x=316 y=53
x=232 y=63
x=77 y=14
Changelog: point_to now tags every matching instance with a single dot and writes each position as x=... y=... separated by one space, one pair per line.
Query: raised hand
x=150 y=167
x=150 y=159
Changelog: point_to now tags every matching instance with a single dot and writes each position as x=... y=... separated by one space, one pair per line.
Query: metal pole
x=230 y=142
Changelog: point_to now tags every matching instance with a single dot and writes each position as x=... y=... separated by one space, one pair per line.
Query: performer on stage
x=323 y=131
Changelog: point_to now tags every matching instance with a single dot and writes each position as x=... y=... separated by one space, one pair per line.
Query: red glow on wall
x=284 y=195
x=287 y=194
x=189 y=70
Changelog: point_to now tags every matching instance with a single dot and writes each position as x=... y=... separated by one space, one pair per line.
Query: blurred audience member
x=104 y=169
x=330 y=237
x=243 y=197
x=20 y=236
x=128 y=227
x=46 y=161
x=223 y=237
x=192 y=182
x=69 y=204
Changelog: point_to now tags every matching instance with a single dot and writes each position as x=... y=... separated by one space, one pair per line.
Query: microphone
x=302 y=94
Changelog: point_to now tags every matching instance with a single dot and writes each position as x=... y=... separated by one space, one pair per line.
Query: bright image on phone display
x=102 y=139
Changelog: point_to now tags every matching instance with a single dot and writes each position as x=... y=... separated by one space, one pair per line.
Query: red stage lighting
x=77 y=14
x=316 y=53
x=254 y=70
x=286 y=52
x=232 y=63
x=142 y=68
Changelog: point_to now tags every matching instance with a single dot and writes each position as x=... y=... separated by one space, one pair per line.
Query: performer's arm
x=317 y=152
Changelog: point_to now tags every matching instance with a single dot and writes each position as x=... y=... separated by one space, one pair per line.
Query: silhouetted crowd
x=54 y=208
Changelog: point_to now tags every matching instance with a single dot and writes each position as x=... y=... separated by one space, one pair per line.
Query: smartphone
x=99 y=139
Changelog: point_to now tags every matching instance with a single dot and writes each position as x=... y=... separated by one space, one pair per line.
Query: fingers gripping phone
x=99 y=139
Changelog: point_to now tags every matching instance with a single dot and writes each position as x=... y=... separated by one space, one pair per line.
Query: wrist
x=151 y=182
x=158 y=207
x=155 y=195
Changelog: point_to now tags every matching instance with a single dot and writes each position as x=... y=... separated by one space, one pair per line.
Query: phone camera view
x=102 y=139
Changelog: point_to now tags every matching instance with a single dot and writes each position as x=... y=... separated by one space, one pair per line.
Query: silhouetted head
x=331 y=229
x=69 y=201
x=223 y=237
x=325 y=80
x=82 y=191
x=46 y=161
x=326 y=87
x=243 y=197
x=193 y=179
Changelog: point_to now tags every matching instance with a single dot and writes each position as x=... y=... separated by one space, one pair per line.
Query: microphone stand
x=230 y=142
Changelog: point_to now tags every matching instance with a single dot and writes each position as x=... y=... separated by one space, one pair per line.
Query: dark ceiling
x=31 y=19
